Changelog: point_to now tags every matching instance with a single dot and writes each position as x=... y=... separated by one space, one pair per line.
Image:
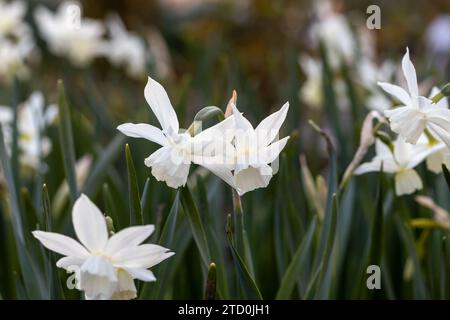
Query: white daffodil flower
x=401 y=162
x=416 y=113
x=312 y=90
x=252 y=152
x=11 y=16
x=334 y=31
x=32 y=120
x=106 y=267
x=171 y=162
x=16 y=41
x=69 y=35
x=125 y=48
x=442 y=155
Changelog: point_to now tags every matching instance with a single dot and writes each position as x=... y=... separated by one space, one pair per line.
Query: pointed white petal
x=398 y=92
x=407 y=181
x=410 y=74
x=160 y=104
x=141 y=274
x=143 y=256
x=129 y=237
x=241 y=122
x=89 y=224
x=70 y=262
x=269 y=128
x=143 y=130
x=61 y=244
x=270 y=153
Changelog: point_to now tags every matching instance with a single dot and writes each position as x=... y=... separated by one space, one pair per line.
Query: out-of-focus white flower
x=416 y=113
x=441 y=156
x=312 y=90
x=369 y=74
x=254 y=149
x=70 y=35
x=11 y=17
x=12 y=64
x=16 y=41
x=333 y=30
x=171 y=162
x=31 y=122
x=125 y=48
x=401 y=162
x=160 y=54
x=107 y=266
x=438 y=40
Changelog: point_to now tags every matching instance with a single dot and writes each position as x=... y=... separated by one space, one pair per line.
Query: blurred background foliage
x=209 y=48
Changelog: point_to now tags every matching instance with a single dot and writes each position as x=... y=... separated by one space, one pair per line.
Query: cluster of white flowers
x=231 y=149
x=80 y=39
x=423 y=128
x=32 y=119
x=105 y=267
x=16 y=41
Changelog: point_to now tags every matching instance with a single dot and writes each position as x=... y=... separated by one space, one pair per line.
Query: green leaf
x=99 y=170
x=297 y=263
x=210 y=288
x=11 y=187
x=249 y=286
x=444 y=92
x=195 y=222
x=327 y=262
x=133 y=190
x=66 y=141
x=377 y=225
x=166 y=240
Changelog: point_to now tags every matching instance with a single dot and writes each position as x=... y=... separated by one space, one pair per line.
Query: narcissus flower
x=125 y=48
x=32 y=120
x=252 y=152
x=106 y=266
x=416 y=113
x=171 y=162
x=401 y=162
x=69 y=35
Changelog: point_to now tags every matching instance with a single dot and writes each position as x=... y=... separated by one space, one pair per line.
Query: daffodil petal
x=89 y=224
x=159 y=102
x=129 y=237
x=61 y=244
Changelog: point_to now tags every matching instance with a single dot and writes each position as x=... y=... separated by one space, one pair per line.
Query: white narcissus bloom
x=11 y=16
x=32 y=120
x=106 y=266
x=125 y=48
x=416 y=113
x=16 y=41
x=69 y=35
x=401 y=162
x=252 y=152
x=171 y=162
x=334 y=31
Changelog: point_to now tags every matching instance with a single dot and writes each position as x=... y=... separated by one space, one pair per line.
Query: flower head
x=107 y=266
x=69 y=35
x=401 y=162
x=125 y=48
x=249 y=151
x=416 y=113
